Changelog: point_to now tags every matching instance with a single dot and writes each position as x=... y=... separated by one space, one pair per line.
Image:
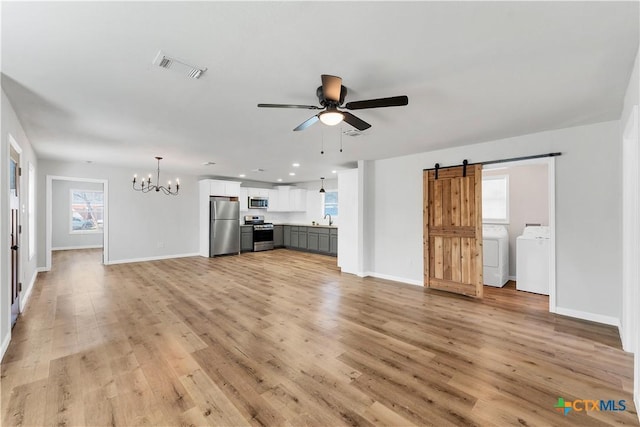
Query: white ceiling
x=81 y=79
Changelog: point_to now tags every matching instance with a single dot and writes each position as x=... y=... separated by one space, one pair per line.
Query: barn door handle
x=14 y=247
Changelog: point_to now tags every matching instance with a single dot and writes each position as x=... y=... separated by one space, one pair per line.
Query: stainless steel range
x=262 y=232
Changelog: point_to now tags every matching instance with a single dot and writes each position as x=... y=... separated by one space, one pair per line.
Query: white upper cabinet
x=258 y=192
x=284 y=204
x=298 y=200
x=274 y=201
x=224 y=188
x=244 y=199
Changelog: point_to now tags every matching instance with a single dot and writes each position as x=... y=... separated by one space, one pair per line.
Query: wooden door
x=452 y=213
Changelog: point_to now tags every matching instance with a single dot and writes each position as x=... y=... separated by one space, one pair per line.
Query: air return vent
x=164 y=61
x=352 y=132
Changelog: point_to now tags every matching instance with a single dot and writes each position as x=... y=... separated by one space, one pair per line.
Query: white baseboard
x=607 y=320
x=511 y=278
x=154 y=258
x=636 y=400
x=5 y=344
x=71 y=248
x=395 y=278
x=27 y=293
x=42 y=269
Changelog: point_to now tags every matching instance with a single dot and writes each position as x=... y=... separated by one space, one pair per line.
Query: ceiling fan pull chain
x=322 y=146
x=341 y=133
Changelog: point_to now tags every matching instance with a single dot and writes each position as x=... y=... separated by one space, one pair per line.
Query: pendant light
x=322 y=184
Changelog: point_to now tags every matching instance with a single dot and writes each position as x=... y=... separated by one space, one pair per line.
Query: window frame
x=32 y=210
x=98 y=229
x=489 y=220
x=324 y=204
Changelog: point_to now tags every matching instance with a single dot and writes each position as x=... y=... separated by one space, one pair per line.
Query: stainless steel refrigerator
x=224 y=231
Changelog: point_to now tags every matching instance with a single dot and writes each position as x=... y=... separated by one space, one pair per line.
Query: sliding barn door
x=453 y=230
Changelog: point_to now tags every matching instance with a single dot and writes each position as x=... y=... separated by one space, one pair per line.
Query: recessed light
x=242 y=175
x=279 y=179
x=334 y=171
x=296 y=165
x=292 y=173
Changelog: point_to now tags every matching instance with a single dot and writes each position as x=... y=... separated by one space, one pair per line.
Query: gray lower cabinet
x=278 y=236
x=312 y=240
x=333 y=241
x=246 y=239
x=294 y=237
x=302 y=238
x=287 y=236
x=321 y=240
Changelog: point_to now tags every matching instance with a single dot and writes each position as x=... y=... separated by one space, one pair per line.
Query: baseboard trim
x=27 y=293
x=42 y=269
x=636 y=400
x=395 y=278
x=154 y=258
x=71 y=248
x=5 y=345
x=511 y=278
x=599 y=318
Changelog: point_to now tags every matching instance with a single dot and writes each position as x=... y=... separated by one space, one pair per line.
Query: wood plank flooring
x=282 y=338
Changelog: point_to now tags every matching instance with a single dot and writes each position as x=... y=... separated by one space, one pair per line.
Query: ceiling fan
x=331 y=96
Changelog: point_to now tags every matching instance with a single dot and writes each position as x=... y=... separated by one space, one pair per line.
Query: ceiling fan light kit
x=331 y=117
x=331 y=96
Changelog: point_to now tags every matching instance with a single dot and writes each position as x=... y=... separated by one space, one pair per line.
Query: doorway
x=15 y=228
x=83 y=218
x=532 y=205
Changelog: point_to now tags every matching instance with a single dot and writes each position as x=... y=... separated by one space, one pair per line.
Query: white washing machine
x=532 y=260
x=495 y=255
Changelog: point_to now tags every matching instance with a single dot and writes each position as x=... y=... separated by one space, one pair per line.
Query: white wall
x=528 y=201
x=348 y=234
x=631 y=295
x=28 y=267
x=141 y=226
x=61 y=236
x=588 y=210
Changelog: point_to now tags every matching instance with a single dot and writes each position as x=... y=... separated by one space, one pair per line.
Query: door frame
x=630 y=232
x=551 y=184
x=13 y=144
x=49 y=216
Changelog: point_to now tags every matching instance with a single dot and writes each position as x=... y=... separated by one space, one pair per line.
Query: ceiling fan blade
x=394 y=101
x=307 y=123
x=331 y=87
x=355 y=122
x=306 y=107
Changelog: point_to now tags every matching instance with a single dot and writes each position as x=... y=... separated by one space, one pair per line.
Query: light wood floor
x=282 y=338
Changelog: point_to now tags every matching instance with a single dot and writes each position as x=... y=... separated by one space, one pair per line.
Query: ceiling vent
x=257 y=170
x=164 y=61
x=352 y=132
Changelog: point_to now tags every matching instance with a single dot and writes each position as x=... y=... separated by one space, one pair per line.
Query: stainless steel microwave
x=258 y=202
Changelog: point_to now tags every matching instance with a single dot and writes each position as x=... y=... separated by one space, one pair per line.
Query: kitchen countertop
x=306 y=225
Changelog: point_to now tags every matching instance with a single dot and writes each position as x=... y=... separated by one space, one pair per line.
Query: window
x=87 y=211
x=32 y=211
x=330 y=203
x=495 y=199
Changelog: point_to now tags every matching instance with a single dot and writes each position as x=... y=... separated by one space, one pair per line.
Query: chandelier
x=146 y=186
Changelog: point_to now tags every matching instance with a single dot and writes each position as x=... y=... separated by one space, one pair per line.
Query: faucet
x=330 y=221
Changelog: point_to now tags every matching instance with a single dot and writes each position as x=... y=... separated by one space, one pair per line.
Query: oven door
x=262 y=239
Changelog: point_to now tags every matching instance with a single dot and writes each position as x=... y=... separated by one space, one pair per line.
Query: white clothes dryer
x=495 y=255
x=532 y=260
